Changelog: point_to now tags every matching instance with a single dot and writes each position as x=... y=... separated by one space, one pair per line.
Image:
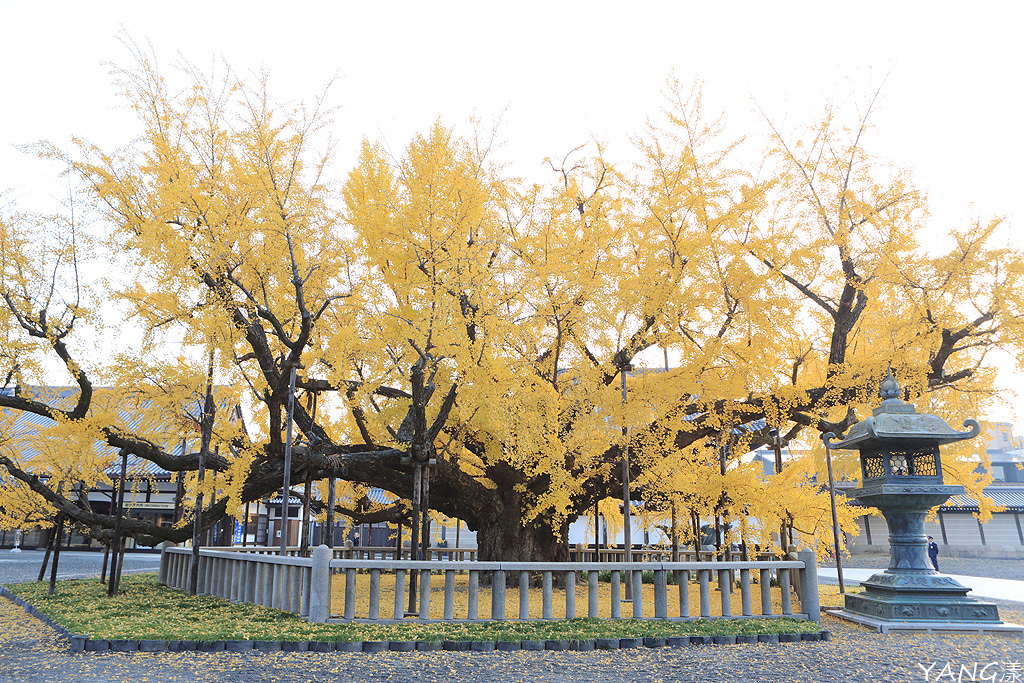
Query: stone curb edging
x=81 y=643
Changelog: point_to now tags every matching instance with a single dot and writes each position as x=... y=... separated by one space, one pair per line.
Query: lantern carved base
x=910 y=589
x=919 y=598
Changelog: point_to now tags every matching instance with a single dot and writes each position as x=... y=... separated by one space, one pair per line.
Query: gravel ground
x=30 y=653
x=989 y=567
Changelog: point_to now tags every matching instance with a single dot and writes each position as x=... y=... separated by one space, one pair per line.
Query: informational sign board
x=238 y=532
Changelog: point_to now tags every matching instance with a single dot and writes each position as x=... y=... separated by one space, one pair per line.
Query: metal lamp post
x=902 y=476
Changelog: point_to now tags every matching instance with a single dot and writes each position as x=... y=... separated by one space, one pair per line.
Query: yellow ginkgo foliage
x=510 y=343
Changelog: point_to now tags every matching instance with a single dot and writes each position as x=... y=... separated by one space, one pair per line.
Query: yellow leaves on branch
x=727 y=290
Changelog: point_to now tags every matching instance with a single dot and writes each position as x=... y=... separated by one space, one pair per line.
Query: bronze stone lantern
x=901 y=469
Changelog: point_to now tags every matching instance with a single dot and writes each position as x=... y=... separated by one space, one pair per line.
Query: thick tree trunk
x=503 y=539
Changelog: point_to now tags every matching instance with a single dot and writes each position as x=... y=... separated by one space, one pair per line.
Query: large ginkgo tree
x=493 y=349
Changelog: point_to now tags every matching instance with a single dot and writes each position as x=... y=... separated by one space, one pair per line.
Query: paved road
x=991 y=567
x=981 y=587
x=24 y=566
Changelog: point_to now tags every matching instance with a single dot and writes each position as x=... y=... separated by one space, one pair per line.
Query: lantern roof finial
x=894 y=420
x=889 y=388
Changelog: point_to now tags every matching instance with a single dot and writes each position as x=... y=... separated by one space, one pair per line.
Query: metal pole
x=285 y=491
x=627 y=531
x=835 y=519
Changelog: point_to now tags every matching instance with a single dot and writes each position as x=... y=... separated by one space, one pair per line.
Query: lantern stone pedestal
x=901 y=472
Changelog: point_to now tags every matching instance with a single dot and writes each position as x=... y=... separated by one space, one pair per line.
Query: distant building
x=955 y=528
x=151 y=492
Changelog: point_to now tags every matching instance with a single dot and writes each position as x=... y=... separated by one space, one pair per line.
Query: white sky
x=562 y=73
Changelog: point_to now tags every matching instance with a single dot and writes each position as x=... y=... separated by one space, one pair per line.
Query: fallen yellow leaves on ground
x=536 y=611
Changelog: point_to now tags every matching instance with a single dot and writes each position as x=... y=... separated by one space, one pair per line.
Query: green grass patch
x=147 y=610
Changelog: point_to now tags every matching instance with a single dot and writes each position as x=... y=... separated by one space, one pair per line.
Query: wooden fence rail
x=303 y=585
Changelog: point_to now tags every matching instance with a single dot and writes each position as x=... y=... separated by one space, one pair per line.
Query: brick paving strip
x=32 y=653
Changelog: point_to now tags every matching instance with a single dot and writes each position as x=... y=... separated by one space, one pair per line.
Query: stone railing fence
x=298 y=585
x=355 y=552
x=577 y=553
x=303 y=585
x=581 y=553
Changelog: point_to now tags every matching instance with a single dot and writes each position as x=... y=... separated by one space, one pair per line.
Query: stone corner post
x=164 y=559
x=320 y=585
x=809 y=585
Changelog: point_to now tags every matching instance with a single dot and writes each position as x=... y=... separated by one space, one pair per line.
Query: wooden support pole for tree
x=414 y=532
x=307 y=494
x=835 y=520
x=695 y=520
x=179 y=491
x=245 y=526
x=120 y=561
x=425 y=512
x=675 y=535
x=112 y=586
x=193 y=578
x=49 y=550
x=331 y=486
x=206 y=434
x=106 y=559
x=58 y=536
x=286 y=488
x=627 y=530
x=777 y=447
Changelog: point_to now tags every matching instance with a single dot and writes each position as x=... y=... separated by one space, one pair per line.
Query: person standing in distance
x=933 y=552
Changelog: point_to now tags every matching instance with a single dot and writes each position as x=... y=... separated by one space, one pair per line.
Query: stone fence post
x=809 y=585
x=320 y=585
x=164 y=558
